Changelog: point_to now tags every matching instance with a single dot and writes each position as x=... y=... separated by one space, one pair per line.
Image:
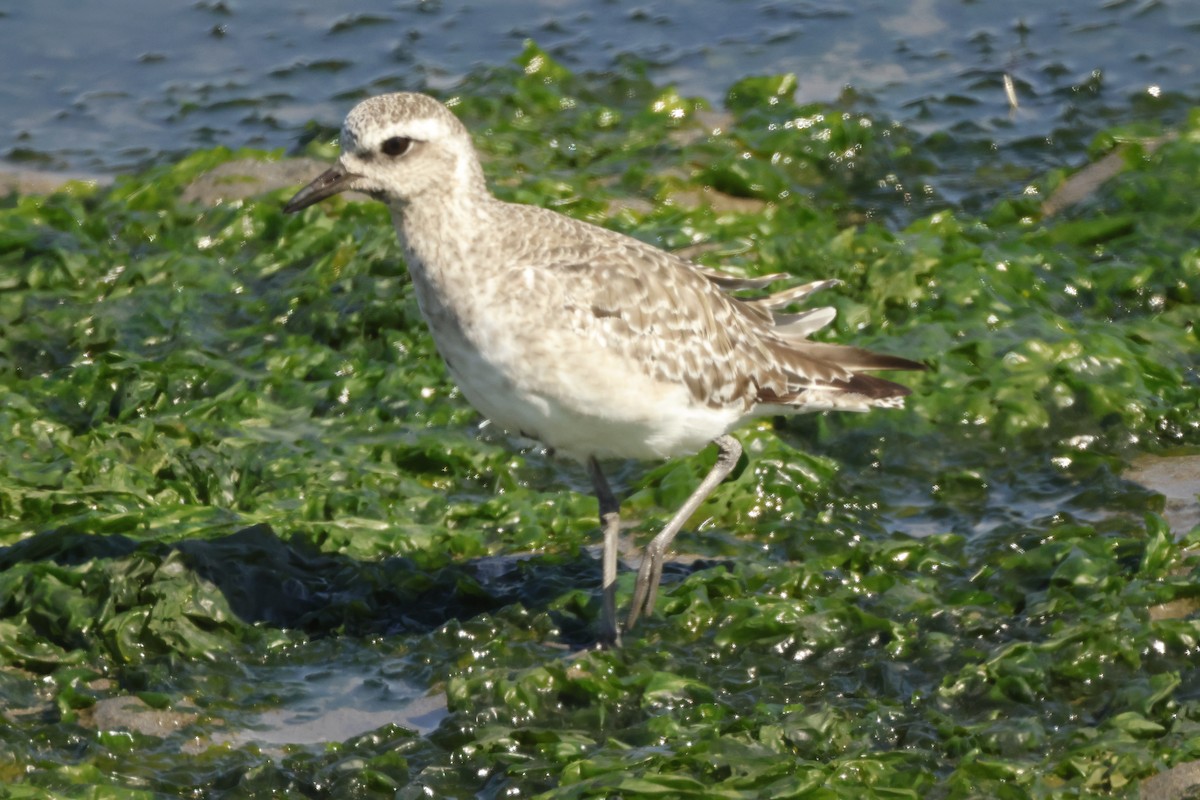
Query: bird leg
x=610 y=521
x=650 y=572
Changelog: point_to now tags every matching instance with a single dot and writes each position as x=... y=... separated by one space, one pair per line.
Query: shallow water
x=320 y=696
x=107 y=87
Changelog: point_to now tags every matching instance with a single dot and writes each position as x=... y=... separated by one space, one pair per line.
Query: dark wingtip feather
x=877 y=388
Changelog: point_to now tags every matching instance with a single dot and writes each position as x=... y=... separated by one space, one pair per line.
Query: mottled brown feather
x=681 y=324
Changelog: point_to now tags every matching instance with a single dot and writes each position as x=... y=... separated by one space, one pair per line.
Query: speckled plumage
x=592 y=342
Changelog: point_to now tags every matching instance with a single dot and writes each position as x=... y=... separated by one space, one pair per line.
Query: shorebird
x=594 y=343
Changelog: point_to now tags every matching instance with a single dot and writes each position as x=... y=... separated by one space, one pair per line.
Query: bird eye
x=396 y=146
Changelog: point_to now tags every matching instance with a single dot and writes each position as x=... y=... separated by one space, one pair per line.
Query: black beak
x=327 y=184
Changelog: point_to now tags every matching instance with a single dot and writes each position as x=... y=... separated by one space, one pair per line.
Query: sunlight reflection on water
x=117 y=85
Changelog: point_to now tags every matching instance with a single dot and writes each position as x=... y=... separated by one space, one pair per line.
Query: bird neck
x=439 y=231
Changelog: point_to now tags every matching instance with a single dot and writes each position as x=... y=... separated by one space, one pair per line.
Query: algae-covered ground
x=234 y=473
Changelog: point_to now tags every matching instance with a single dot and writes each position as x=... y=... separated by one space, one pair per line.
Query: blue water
x=108 y=86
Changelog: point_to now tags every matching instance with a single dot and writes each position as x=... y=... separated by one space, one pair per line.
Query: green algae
x=228 y=436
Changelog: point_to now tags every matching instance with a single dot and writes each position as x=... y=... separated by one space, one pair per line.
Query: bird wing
x=681 y=323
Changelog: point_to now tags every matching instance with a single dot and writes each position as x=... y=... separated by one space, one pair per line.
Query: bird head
x=398 y=148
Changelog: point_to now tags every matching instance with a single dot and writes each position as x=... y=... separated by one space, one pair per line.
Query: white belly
x=582 y=401
x=521 y=360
